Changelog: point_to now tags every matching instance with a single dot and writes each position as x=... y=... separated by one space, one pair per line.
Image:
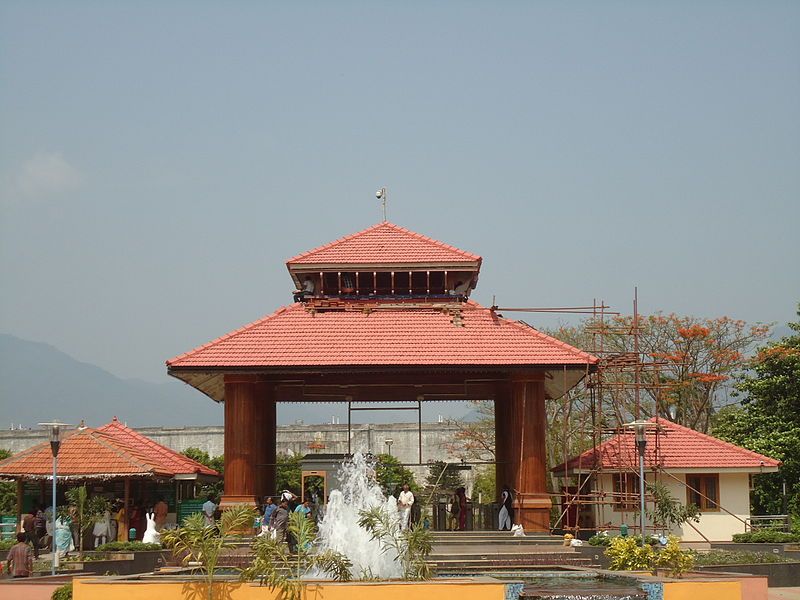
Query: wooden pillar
x=502 y=439
x=265 y=439
x=20 y=496
x=528 y=462
x=241 y=441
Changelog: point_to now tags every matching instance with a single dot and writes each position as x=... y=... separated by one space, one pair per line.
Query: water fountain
x=339 y=530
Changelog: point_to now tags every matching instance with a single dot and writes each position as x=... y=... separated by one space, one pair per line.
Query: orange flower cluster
x=693 y=332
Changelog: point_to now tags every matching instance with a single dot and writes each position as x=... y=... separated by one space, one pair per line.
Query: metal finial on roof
x=383 y=196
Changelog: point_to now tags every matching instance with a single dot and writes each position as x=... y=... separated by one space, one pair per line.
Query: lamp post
x=640 y=428
x=56 y=429
x=389 y=442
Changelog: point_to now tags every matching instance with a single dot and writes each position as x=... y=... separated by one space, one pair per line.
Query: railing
x=770 y=522
x=480 y=517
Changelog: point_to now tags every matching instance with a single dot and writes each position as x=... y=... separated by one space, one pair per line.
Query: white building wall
x=717 y=526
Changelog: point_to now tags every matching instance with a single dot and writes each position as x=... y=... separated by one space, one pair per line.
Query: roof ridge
x=233 y=333
x=712 y=439
x=393 y=227
x=121 y=450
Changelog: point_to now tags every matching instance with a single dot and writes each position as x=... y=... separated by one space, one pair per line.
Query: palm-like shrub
x=273 y=565
x=198 y=542
x=411 y=545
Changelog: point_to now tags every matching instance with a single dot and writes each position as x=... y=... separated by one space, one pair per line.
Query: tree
x=768 y=421
x=289 y=472
x=442 y=478
x=8 y=491
x=485 y=486
x=390 y=474
x=217 y=463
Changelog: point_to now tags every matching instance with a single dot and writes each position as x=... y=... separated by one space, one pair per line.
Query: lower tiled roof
x=677 y=447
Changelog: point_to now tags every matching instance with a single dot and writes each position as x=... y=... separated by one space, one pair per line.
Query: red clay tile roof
x=678 y=448
x=384 y=243
x=294 y=337
x=167 y=458
x=111 y=451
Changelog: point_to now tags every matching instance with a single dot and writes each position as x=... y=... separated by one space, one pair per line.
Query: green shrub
x=673 y=559
x=765 y=536
x=627 y=554
x=6 y=544
x=600 y=540
x=128 y=547
x=733 y=557
x=63 y=593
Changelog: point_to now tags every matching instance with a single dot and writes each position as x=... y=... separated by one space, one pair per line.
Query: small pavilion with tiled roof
x=695 y=467
x=385 y=315
x=112 y=456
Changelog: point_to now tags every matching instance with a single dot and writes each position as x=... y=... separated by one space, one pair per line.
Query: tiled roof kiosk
x=386 y=316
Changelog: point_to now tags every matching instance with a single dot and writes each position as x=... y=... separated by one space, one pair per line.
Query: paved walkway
x=784 y=593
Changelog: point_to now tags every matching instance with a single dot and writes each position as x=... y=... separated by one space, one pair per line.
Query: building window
x=626 y=491
x=703 y=491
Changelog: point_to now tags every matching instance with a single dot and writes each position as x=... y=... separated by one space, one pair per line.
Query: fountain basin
x=167 y=587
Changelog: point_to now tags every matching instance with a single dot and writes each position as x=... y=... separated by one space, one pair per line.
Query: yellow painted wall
x=734 y=493
x=140 y=590
x=694 y=590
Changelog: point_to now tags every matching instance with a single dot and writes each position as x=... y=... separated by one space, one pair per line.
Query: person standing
x=20 y=557
x=268 y=508
x=29 y=529
x=304 y=509
x=280 y=520
x=209 y=508
x=404 y=503
x=161 y=509
x=461 y=497
x=506 y=516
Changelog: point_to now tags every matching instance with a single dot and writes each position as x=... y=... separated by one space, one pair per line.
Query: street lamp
x=640 y=427
x=56 y=429
x=389 y=442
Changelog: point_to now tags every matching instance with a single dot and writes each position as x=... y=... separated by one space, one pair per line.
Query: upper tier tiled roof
x=384 y=243
x=678 y=448
x=113 y=450
x=295 y=337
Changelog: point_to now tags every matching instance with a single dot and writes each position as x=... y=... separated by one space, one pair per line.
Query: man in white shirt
x=404 y=502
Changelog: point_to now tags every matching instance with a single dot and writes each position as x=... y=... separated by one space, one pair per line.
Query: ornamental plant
x=412 y=546
x=198 y=542
x=273 y=565
x=627 y=554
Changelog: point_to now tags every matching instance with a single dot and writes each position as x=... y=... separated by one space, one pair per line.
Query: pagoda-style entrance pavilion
x=385 y=316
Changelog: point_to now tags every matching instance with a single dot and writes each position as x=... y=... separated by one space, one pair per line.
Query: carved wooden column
x=241 y=446
x=528 y=462
x=266 y=435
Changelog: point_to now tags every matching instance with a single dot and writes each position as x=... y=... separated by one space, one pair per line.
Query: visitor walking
x=279 y=520
x=506 y=516
x=267 y=509
x=404 y=503
x=461 y=497
x=20 y=558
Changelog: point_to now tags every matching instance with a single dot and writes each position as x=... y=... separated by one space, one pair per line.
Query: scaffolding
x=614 y=392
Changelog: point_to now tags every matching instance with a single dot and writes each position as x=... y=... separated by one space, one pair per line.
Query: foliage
x=768 y=422
x=128 y=547
x=442 y=477
x=63 y=593
x=485 y=486
x=197 y=542
x=411 y=545
x=391 y=475
x=83 y=510
x=628 y=554
x=669 y=512
x=765 y=536
x=8 y=491
x=600 y=540
x=217 y=463
x=274 y=566
x=474 y=438
x=289 y=472
x=730 y=557
x=6 y=544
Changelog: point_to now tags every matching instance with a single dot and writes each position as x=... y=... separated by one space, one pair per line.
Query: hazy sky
x=159 y=161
